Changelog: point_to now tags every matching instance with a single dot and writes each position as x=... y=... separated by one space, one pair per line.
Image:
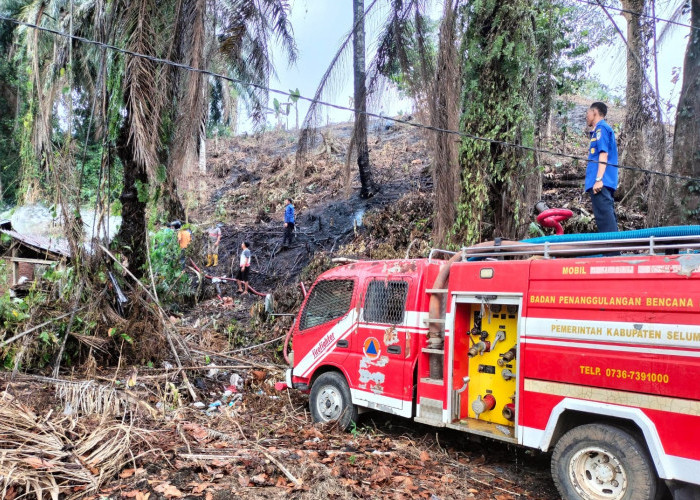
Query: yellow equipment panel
x=486 y=375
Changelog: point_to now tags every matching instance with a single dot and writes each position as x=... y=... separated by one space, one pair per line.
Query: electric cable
x=640 y=14
x=338 y=106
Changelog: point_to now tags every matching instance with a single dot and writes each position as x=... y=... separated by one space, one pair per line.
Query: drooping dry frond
x=190 y=105
x=142 y=95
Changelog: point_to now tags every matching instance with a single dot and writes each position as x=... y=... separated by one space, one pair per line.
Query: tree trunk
x=636 y=115
x=360 y=97
x=686 y=142
x=499 y=184
x=445 y=114
x=132 y=232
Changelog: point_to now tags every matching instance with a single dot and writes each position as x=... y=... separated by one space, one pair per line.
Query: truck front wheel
x=330 y=400
x=602 y=462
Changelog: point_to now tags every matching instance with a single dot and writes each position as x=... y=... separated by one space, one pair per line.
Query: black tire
x=330 y=400
x=599 y=461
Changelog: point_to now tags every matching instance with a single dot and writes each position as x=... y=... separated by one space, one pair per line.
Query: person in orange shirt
x=184 y=238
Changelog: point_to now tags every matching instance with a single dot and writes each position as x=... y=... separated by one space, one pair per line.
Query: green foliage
x=11 y=102
x=497 y=101
x=409 y=74
x=172 y=283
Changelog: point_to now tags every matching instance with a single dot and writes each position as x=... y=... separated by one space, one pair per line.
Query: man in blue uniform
x=601 y=173
x=289 y=219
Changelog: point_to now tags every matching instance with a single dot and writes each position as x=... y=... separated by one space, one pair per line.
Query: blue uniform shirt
x=289 y=213
x=602 y=141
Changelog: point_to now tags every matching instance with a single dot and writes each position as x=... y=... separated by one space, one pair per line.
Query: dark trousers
x=604 y=210
x=288 y=234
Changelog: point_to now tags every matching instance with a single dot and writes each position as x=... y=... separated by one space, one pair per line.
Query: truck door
x=380 y=357
x=325 y=326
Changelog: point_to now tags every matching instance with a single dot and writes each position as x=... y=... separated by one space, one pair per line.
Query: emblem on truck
x=371 y=348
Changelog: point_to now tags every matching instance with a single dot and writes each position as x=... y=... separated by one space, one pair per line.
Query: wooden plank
x=41 y=262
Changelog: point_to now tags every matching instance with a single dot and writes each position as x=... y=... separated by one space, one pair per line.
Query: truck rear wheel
x=330 y=400
x=602 y=462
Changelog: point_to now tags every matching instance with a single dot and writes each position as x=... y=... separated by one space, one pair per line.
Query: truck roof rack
x=651 y=245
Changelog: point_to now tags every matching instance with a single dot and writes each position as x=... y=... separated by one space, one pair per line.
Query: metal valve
x=509 y=411
x=482 y=405
x=500 y=335
x=507 y=357
x=507 y=374
x=479 y=348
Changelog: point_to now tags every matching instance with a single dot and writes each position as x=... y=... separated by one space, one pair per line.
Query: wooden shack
x=28 y=254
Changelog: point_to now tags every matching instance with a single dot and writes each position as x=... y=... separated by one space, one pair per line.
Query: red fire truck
x=596 y=359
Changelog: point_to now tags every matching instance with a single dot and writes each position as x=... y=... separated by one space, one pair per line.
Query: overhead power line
x=640 y=14
x=332 y=105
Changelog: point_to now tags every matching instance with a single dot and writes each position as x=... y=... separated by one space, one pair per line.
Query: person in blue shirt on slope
x=288 y=223
x=601 y=172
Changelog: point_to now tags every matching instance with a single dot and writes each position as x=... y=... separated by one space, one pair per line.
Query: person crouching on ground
x=288 y=223
x=601 y=172
x=243 y=275
x=213 y=240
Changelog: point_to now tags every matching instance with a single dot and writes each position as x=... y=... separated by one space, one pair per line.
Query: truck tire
x=598 y=461
x=330 y=400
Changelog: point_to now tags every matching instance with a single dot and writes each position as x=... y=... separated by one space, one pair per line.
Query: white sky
x=321 y=25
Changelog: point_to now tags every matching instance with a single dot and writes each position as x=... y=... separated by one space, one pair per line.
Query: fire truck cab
x=596 y=359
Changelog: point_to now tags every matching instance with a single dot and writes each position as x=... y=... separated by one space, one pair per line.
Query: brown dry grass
x=55 y=455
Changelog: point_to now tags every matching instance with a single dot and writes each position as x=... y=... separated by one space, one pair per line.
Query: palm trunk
x=636 y=115
x=686 y=142
x=368 y=188
x=445 y=114
x=132 y=232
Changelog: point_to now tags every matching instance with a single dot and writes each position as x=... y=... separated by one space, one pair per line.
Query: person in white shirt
x=243 y=275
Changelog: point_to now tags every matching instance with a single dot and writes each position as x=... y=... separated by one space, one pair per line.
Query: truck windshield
x=329 y=300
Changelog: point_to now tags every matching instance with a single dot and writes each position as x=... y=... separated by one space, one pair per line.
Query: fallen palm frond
x=88 y=398
x=51 y=459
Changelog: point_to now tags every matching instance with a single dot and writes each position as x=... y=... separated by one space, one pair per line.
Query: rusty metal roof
x=58 y=247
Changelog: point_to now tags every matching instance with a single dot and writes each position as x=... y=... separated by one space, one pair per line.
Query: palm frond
x=245 y=43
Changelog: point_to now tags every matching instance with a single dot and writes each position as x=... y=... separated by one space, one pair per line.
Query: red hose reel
x=552 y=217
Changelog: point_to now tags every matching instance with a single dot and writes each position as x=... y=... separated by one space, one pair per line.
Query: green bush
x=172 y=283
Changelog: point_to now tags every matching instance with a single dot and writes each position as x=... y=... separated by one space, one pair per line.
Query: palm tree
x=360 y=100
x=153 y=113
x=404 y=21
x=243 y=45
x=686 y=139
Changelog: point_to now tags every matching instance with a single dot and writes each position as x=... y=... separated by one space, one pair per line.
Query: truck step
x=436 y=290
x=432 y=381
x=433 y=351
